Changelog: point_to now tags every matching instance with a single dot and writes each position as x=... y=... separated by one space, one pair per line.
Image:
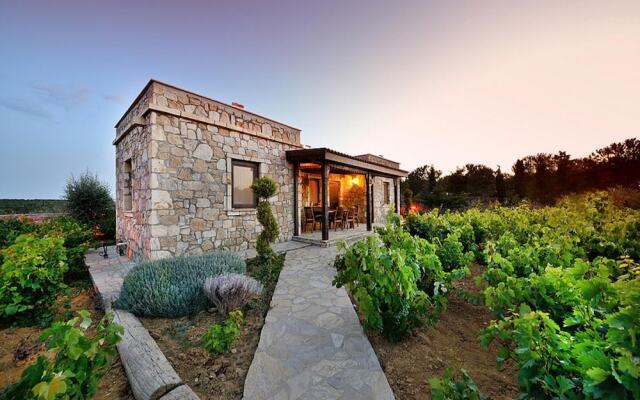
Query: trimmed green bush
x=172 y=287
x=264 y=188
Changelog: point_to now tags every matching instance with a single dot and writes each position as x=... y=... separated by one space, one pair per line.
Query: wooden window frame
x=256 y=175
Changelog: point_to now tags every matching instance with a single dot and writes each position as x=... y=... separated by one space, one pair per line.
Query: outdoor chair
x=356 y=215
x=349 y=221
x=339 y=218
x=309 y=218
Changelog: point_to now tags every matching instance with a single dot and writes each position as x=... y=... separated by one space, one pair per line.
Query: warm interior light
x=354 y=180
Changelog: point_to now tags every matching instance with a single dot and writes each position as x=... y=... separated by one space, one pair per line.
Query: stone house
x=184 y=164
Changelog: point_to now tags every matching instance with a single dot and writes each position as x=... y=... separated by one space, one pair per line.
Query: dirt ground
x=216 y=376
x=19 y=347
x=453 y=342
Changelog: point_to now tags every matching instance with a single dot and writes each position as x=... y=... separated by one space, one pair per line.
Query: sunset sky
x=448 y=83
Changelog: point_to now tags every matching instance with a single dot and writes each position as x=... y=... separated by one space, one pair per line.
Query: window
x=243 y=174
x=387 y=196
x=127 y=190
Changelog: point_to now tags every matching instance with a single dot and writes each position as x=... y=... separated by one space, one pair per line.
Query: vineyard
x=562 y=284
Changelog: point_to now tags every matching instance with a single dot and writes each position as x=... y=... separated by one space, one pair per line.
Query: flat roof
x=151 y=81
x=325 y=154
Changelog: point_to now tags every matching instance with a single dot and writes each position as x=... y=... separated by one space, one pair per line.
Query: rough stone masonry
x=173 y=157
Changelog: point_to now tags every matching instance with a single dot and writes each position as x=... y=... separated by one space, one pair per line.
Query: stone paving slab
x=312 y=345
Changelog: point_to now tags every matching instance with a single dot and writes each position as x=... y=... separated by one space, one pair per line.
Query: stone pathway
x=108 y=274
x=312 y=345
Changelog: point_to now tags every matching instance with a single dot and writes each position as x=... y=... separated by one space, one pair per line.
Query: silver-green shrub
x=172 y=287
x=230 y=292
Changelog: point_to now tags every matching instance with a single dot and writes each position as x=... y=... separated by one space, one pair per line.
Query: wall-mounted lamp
x=354 y=181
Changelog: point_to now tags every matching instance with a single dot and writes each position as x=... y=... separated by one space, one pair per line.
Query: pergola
x=326 y=160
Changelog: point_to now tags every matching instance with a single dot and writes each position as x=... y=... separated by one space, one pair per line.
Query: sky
x=420 y=82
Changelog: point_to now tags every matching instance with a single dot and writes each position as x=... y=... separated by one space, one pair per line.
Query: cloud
x=67 y=97
x=116 y=99
x=26 y=107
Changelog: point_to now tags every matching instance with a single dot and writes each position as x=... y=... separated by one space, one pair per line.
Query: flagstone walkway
x=312 y=345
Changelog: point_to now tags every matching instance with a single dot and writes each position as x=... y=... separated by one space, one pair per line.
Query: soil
x=215 y=376
x=452 y=342
x=19 y=346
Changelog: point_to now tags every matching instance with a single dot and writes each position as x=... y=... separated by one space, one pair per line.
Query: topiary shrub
x=172 y=287
x=31 y=275
x=264 y=188
x=230 y=292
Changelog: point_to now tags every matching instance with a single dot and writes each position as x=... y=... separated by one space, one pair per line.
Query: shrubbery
x=89 y=201
x=77 y=365
x=35 y=259
x=450 y=388
x=31 y=275
x=384 y=273
x=76 y=242
x=221 y=337
x=564 y=285
x=231 y=291
x=172 y=287
x=264 y=188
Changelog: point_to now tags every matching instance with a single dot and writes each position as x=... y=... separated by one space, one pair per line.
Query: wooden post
x=325 y=200
x=396 y=193
x=369 y=201
x=296 y=212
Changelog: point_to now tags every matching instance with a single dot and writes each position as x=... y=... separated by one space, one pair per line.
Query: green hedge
x=172 y=287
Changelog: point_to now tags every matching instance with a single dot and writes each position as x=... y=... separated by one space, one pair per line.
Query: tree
x=89 y=200
x=544 y=186
x=480 y=180
x=264 y=188
x=417 y=181
x=432 y=178
x=563 y=173
x=501 y=190
x=519 y=179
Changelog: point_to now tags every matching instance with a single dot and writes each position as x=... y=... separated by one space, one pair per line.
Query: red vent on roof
x=237 y=105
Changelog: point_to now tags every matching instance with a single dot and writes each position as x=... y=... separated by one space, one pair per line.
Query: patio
x=348 y=235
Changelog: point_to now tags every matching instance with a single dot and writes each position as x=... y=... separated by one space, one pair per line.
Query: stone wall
x=132 y=224
x=380 y=208
x=193 y=141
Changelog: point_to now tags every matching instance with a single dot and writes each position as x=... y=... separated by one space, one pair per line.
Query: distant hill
x=31 y=206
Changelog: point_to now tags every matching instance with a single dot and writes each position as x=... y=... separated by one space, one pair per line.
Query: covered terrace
x=335 y=191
